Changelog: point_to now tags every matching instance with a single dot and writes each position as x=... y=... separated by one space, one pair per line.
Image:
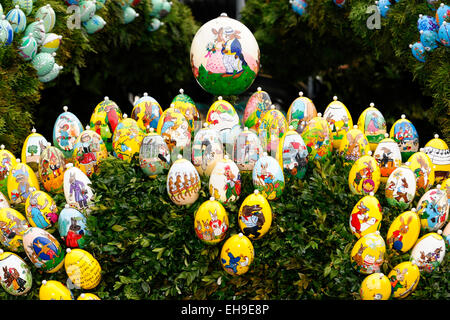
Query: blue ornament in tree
x=426 y=23
x=299 y=6
x=429 y=39
x=6 y=32
x=418 y=51
x=383 y=7
x=442 y=13
x=444 y=34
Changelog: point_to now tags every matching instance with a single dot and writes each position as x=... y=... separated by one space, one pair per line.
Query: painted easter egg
x=54 y=290
x=28 y=47
x=339 y=119
x=20 y=179
x=104 y=120
x=155 y=24
x=353 y=145
x=154 y=155
x=420 y=163
x=16 y=277
x=41 y=210
x=82 y=268
x=25 y=5
x=77 y=190
x=17 y=19
x=211 y=221
x=66 y=129
x=425 y=22
x=442 y=13
x=401 y=187
x=94 y=24
x=366 y=216
x=187 y=107
x=388 y=157
x=418 y=51
x=6 y=32
x=268 y=177
x=224 y=56
x=429 y=39
x=364 y=176
x=225 y=181
x=51 y=43
x=37 y=31
x=298 y=6
x=47 y=15
x=444 y=34
x=445 y=186
x=446 y=234
x=429 y=251
x=4 y=203
x=247 y=149
x=255 y=216
x=87 y=10
x=32 y=148
x=223 y=117
x=174 y=129
x=404 y=279
x=406 y=136
x=404 y=231
x=372 y=123
x=183 y=182
x=257 y=105
x=89 y=150
x=12 y=225
x=129 y=14
x=72 y=227
x=207 y=149
x=301 y=109
x=375 y=286
x=127 y=139
x=54 y=72
x=318 y=139
x=88 y=296
x=51 y=169
x=439 y=153
x=43 y=250
x=433 y=209
x=367 y=255
x=146 y=111
x=273 y=127
x=43 y=62
x=237 y=254
x=7 y=161
x=292 y=154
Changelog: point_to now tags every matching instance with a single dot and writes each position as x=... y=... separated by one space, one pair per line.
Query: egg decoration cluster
x=147 y=112
x=91 y=22
x=160 y=9
x=207 y=150
x=257 y=105
x=154 y=154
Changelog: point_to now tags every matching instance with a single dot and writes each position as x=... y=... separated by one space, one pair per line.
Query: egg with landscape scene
x=268 y=177
x=406 y=136
x=301 y=109
x=372 y=123
x=292 y=154
x=318 y=139
x=257 y=105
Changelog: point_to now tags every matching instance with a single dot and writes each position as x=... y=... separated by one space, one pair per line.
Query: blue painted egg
x=442 y=13
x=383 y=7
x=299 y=6
x=444 y=34
x=418 y=51
x=426 y=23
x=6 y=32
x=17 y=19
x=429 y=39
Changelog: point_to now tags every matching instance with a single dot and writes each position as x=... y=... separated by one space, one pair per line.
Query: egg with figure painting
x=420 y=163
x=54 y=290
x=375 y=286
x=89 y=151
x=154 y=155
x=174 y=128
x=20 y=181
x=12 y=225
x=372 y=123
x=223 y=117
x=4 y=203
x=429 y=252
x=225 y=181
x=433 y=209
x=211 y=221
x=255 y=216
x=32 y=147
x=187 y=107
x=401 y=187
x=41 y=210
x=77 y=188
x=247 y=149
x=318 y=139
x=367 y=255
x=388 y=157
x=366 y=216
x=301 y=109
x=292 y=154
x=439 y=153
x=207 y=150
x=183 y=182
x=66 y=129
x=404 y=278
x=52 y=165
x=273 y=127
x=339 y=119
x=257 y=105
x=237 y=254
x=364 y=176
x=147 y=112
x=404 y=231
x=16 y=277
x=25 y=5
x=7 y=161
x=127 y=139
x=104 y=120
x=268 y=177
x=72 y=227
x=406 y=136
x=354 y=145
x=445 y=186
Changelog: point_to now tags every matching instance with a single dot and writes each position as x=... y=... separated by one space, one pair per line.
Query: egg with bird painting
x=255 y=216
x=406 y=136
x=13 y=225
x=147 y=112
x=54 y=290
x=401 y=187
x=72 y=227
x=237 y=254
x=16 y=277
x=187 y=107
x=388 y=157
x=404 y=231
x=429 y=251
x=292 y=154
x=354 y=145
x=65 y=132
x=339 y=119
x=52 y=165
x=33 y=146
x=211 y=221
x=225 y=181
x=268 y=177
x=433 y=209
x=301 y=109
x=247 y=149
x=375 y=286
x=273 y=127
x=154 y=155
x=7 y=161
x=89 y=151
x=174 y=129
x=366 y=216
x=183 y=182
x=439 y=153
x=367 y=255
x=207 y=150
x=127 y=139
x=404 y=278
x=20 y=180
x=318 y=139
x=420 y=163
x=364 y=176
x=41 y=210
x=257 y=105
x=372 y=123
x=223 y=117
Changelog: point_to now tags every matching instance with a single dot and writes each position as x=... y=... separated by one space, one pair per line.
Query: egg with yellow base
x=82 y=269
x=7 y=161
x=237 y=254
x=404 y=279
x=127 y=139
x=364 y=176
x=41 y=210
x=88 y=296
x=301 y=109
x=339 y=119
x=207 y=150
x=273 y=127
x=255 y=216
x=52 y=165
x=403 y=231
x=187 y=107
x=13 y=225
x=54 y=290
x=375 y=286
x=318 y=139
x=366 y=216
x=367 y=255
x=439 y=153
x=372 y=123
x=353 y=145
x=32 y=148
x=20 y=180
x=211 y=221
x=223 y=117
x=174 y=129
x=422 y=167
x=147 y=112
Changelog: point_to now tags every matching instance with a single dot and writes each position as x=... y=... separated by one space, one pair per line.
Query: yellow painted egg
x=237 y=254
x=183 y=182
x=211 y=221
x=366 y=216
x=372 y=123
x=12 y=225
x=147 y=112
x=375 y=286
x=20 y=179
x=401 y=187
x=301 y=109
x=247 y=149
x=174 y=129
x=41 y=210
x=318 y=139
x=15 y=276
x=154 y=154
x=404 y=279
x=223 y=117
x=268 y=177
x=65 y=132
x=32 y=148
x=225 y=181
x=187 y=107
x=422 y=167
x=367 y=255
x=52 y=165
x=339 y=119
x=292 y=154
x=255 y=216
x=43 y=250
x=4 y=203
x=439 y=153
x=429 y=251
x=207 y=149
x=388 y=156
x=404 y=231
x=88 y=296
x=127 y=139
x=7 y=161
x=433 y=209
x=273 y=127
x=406 y=136
x=257 y=105
x=88 y=152
x=353 y=145
x=77 y=189
x=444 y=186
x=82 y=268
x=364 y=176
x=54 y=290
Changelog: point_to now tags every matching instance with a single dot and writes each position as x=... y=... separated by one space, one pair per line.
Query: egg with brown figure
x=15 y=275
x=52 y=165
x=268 y=177
x=127 y=139
x=404 y=231
x=147 y=112
x=211 y=221
x=12 y=225
x=420 y=163
x=183 y=182
x=174 y=128
x=20 y=181
x=225 y=181
x=366 y=216
x=255 y=216
x=364 y=176
x=406 y=136
x=207 y=150
x=429 y=251
x=388 y=157
x=339 y=119
x=353 y=145
x=401 y=187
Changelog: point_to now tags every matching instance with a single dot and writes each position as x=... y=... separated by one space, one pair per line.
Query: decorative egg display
x=28 y=48
x=20 y=179
x=401 y=187
x=318 y=139
x=48 y=16
x=77 y=190
x=257 y=105
x=7 y=161
x=444 y=34
x=375 y=286
x=32 y=148
x=388 y=157
x=104 y=120
x=66 y=129
x=429 y=39
x=52 y=165
x=255 y=216
x=422 y=167
x=3 y=201
x=187 y=107
x=439 y=153
x=183 y=182
x=207 y=149
x=82 y=268
x=154 y=154
x=292 y=154
x=7 y=32
x=16 y=277
x=301 y=109
x=147 y=112
x=41 y=210
x=88 y=151
x=404 y=279
x=273 y=127
x=127 y=139
x=87 y=9
x=224 y=56
x=406 y=135
x=404 y=231
x=247 y=149
x=367 y=255
x=174 y=129
x=43 y=250
x=339 y=119
x=88 y=296
x=225 y=181
x=43 y=62
x=372 y=123
x=17 y=19
x=433 y=209
x=25 y=5
x=223 y=117
x=354 y=145
x=364 y=176
x=426 y=22
x=51 y=43
x=72 y=227
x=429 y=251
x=37 y=30
x=94 y=24
x=12 y=225
x=52 y=74
x=366 y=216
x=54 y=290
x=237 y=254
x=442 y=13
x=268 y=177
x=211 y=221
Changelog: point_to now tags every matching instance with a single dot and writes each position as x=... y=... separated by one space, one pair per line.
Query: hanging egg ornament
x=366 y=216
x=154 y=155
x=429 y=251
x=13 y=225
x=72 y=227
x=375 y=286
x=16 y=277
x=439 y=153
x=318 y=139
x=211 y=221
x=28 y=48
x=429 y=39
x=17 y=19
x=301 y=109
x=292 y=154
x=445 y=186
x=7 y=161
x=268 y=177
x=87 y=10
x=41 y=210
x=127 y=139
x=246 y=150
x=155 y=24
x=37 y=30
x=401 y=187
x=129 y=14
x=88 y=296
x=174 y=129
x=364 y=176
x=52 y=74
x=406 y=135
x=66 y=129
x=51 y=43
x=255 y=216
x=433 y=209
x=388 y=157
x=299 y=6
x=77 y=190
x=54 y=290
x=257 y=105
x=237 y=254
x=147 y=112
x=339 y=119
x=207 y=150
x=372 y=123
x=104 y=120
x=183 y=182
x=47 y=15
x=82 y=268
x=225 y=181
x=354 y=145
x=425 y=22
x=6 y=32
x=94 y=24
x=223 y=117
x=187 y=107
x=404 y=279
x=273 y=127
x=418 y=51
x=224 y=56
x=420 y=163
x=43 y=62
x=4 y=203
x=367 y=255
x=404 y=231
x=442 y=13
x=25 y=5
x=20 y=179
x=52 y=165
